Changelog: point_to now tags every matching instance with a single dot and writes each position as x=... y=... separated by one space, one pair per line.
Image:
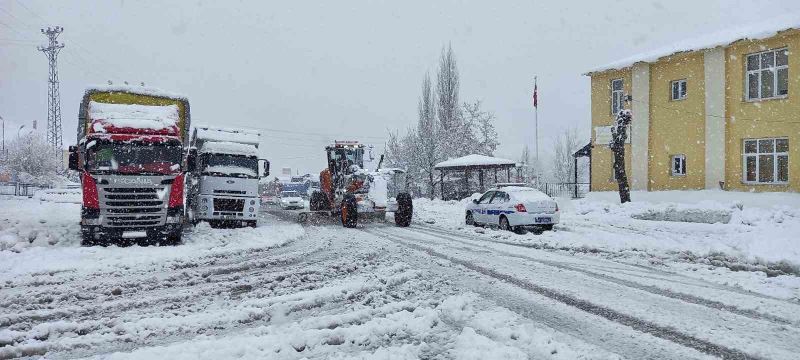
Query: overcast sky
x=310 y=73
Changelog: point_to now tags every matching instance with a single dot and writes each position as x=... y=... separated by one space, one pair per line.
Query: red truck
x=130 y=154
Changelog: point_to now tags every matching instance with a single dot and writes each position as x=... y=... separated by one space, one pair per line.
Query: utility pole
x=53 y=95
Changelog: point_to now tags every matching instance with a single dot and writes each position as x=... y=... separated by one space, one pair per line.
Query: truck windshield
x=113 y=157
x=288 y=194
x=229 y=165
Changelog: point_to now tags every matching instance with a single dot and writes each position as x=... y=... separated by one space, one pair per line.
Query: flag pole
x=536 y=123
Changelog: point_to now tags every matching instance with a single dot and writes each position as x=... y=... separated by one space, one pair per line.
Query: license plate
x=543 y=220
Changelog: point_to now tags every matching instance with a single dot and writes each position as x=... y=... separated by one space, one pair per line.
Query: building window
x=678 y=89
x=678 y=165
x=767 y=74
x=617 y=96
x=766 y=161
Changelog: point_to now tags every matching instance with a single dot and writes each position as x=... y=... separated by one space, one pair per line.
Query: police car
x=513 y=208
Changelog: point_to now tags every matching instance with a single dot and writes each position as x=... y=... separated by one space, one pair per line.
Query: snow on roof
x=248 y=136
x=474 y=160
x=225 y=147
x=755 y=31
x=133 y=116
x=137 y=90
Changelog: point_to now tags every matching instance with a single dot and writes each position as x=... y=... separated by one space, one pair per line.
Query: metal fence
x=19 y=189
x=573 y=190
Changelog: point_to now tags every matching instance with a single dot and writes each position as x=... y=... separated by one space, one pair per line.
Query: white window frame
x=757 y=155
x=682 y=159
x=683 y=92
x=617 y=96
x=774 y=69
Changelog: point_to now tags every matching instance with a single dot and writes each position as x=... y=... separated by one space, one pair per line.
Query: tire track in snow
x=663 y=332
x=632 y=284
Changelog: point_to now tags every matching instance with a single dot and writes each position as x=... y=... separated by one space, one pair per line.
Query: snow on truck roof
x=231 y=148
x=475 y=160
x=248 y=136
x=134 y=89
x=132 y=116
x=755 y=31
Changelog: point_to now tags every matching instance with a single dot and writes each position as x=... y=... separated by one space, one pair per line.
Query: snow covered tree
x=456 y=136
x=563 y=162
x=482 y=122
x=33 y=160
x=619 y=134
x=429 y=136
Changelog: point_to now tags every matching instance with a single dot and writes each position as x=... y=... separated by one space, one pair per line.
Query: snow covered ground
x=436 y=291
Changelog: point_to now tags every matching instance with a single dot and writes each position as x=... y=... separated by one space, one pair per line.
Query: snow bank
x=132 y=116
x=248 y=136
x=474 y=160
x=756 y=31
x=756 y=228
x=30 y=223
x=231 y=148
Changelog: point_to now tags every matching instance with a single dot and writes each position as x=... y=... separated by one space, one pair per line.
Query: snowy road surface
x=286 y=291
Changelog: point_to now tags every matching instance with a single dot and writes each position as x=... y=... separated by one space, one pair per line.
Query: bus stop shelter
x=489 y=170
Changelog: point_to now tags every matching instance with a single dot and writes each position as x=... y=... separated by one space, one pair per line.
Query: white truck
x=223 y=176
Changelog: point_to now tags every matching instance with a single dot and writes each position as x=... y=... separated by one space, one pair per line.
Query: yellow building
x=719 y=111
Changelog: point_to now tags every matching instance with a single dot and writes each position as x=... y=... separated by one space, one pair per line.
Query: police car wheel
x=504 y=225
x=470 y=220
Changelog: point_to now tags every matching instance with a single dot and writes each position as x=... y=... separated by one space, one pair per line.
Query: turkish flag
x=535 y=95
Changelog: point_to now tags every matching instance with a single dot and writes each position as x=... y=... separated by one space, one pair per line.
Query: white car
x=513 y=208
x=291 y=200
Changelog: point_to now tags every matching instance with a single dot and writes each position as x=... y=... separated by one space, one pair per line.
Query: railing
x=573 y=190
x=19 y=189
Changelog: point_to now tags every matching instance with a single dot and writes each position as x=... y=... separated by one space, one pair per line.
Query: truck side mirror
x=266 y=167
x=191 y=160
x=72 y=162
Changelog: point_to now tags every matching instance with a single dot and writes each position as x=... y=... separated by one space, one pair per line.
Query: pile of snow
x=230 y=170
x=132 y=116
x=474 y=160
x=248 y=136
x=61 y=195
x=29 y=223
x=230 y=148
x=756 y=31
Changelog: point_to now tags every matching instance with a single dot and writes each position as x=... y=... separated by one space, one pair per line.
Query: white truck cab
x=224 y=175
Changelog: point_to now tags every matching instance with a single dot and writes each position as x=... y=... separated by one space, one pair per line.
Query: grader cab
x=350 y=191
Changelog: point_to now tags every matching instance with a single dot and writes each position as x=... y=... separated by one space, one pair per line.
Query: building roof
x=475 y=160
x=754 y=31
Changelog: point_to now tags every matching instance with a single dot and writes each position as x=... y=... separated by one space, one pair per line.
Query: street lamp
x=20 y=129
x=4 y=135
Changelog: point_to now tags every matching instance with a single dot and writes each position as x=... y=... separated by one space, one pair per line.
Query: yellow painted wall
x=601 y=116
x=677 y=126
x=765 y=118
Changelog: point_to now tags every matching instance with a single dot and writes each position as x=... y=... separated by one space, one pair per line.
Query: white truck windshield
x=229 y=165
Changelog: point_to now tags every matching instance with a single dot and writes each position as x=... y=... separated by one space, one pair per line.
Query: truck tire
x=405 y=209
x=87 y=236
x=349 y=213
x=319 y=201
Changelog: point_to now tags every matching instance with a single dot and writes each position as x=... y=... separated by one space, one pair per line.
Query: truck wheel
x=87 y=236
x=252 y=223
x=319 y=201
x=405 y=209
x=349 y=212
x=172 y=239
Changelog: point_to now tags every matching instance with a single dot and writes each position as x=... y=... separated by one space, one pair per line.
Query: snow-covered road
x=286 y=291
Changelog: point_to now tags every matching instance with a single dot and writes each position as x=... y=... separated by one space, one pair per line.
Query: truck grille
x=132 y=207
x=234 y=192
x=235 y=205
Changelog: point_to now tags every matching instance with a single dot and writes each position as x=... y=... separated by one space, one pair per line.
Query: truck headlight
x=252 y=202
x=252 y=209
x=204 y=208
x=205 y=200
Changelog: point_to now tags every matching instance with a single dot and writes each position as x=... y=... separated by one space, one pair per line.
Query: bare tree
x=447 y=94
x=619 y=134
x=428 y=136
